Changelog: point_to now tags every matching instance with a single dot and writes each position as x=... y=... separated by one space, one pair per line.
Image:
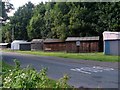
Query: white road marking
x=91 y=69
x=104 y=68
x=79 y=70
x=82 y=71
x=94 y=69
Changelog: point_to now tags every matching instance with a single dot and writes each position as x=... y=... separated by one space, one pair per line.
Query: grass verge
x=6 y=67
x=79 y=56
x=28 y=77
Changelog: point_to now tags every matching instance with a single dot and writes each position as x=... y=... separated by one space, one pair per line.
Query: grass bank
x=78 y=56
x=5 y=67
x=34 y=79
x=28 y=77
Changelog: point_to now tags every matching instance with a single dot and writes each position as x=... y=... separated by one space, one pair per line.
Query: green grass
x=78 y=56
x=6 y=67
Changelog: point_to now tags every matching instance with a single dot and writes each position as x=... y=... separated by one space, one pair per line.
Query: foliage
x=36 y=27
x=6 y=33
x=64 y=19
x=5 y=7
x=18 y=24
x=30 y=78
x=6 y=67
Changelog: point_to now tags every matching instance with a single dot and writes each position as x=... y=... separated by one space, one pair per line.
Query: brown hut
x=82 y=44
x=54 y=45
x=37 y=44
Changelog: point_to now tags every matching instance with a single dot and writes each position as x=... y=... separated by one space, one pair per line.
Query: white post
x=13 y=37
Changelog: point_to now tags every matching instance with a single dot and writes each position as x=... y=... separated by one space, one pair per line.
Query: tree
x=21 y=19
x=36 y=25
x=59 y=20
x=5 y=7
x=64 y=19
x=7 y=33
x=48 y=18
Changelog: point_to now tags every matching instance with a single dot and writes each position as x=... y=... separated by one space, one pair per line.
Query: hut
x=20 y=45
x=111 y=43
x=37 y=44
x=3 y=45
x=82 y=44
x=54 y=45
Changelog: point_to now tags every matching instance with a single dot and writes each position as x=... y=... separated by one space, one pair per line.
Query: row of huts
x=71 y=44
x=110 y=44
x=86 y=44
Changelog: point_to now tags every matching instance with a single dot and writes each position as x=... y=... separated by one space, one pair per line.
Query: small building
x=3 y=45
x=111 y=43
x=54 y=45
x=20 y=45
x=37 y=44
x=82 y=44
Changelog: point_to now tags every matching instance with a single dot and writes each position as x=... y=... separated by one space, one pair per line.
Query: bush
x=30 y=78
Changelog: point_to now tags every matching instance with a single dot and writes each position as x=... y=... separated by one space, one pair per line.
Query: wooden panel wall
x=87 y=46
x=54 y=46
x=37 y=46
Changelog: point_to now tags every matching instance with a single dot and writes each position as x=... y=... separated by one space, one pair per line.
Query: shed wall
x=112 y=47
x=15 y=46
x=54 y=46
x=37 y=46
x=85 y=46
x=3 y=46
x=25 y=46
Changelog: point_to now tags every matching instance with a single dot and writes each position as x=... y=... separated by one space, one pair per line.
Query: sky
x=18 y=3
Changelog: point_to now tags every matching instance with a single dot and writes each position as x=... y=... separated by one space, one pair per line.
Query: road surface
x=90 y=74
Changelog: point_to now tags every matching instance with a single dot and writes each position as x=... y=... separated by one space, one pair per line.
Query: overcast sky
x=18 y=3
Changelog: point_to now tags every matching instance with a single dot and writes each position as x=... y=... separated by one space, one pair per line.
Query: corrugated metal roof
x=52 y=40
x=82 y=38
x=37 y=40
x=2 y=44
x=20 y=42
x=107 y=35
x=25 y=43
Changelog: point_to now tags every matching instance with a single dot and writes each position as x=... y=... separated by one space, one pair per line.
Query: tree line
x=5 y=7
x=62 y=19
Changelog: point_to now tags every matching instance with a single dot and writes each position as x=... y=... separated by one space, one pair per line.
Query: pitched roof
x=82 y=38
x=3 y=44
x=20 y=42
x=52 y=40
x=37 y=40
x=107 y=35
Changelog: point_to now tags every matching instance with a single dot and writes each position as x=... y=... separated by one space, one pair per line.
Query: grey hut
x=54 y=45
x=37 y=44
x=82 y=44
x=25 y=46
x=20 y=45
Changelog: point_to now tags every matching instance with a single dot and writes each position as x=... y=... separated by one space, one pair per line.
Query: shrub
x=28 y=77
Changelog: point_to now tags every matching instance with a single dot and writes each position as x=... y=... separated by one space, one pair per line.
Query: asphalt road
x=90 y=74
